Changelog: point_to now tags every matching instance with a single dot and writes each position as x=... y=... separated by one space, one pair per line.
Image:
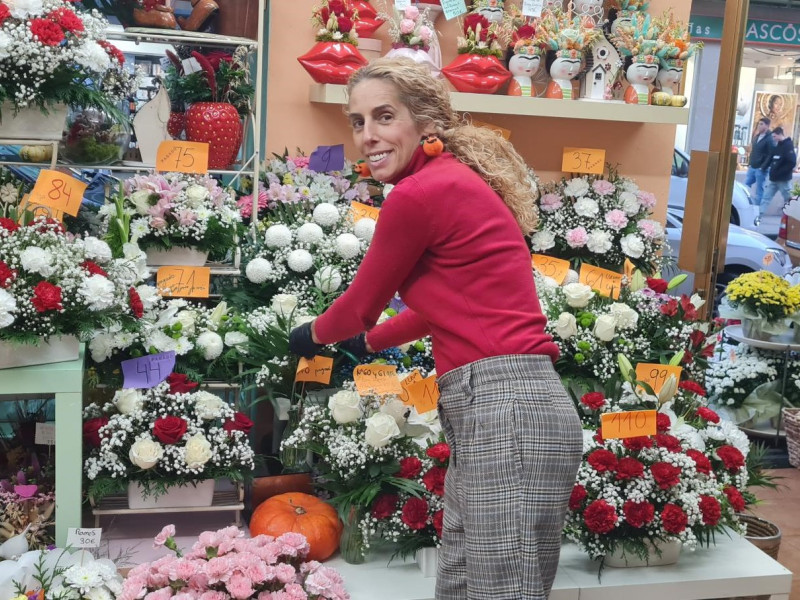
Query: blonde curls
x=483 y=150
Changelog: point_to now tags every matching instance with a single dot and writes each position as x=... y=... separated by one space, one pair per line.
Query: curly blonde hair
x=483 y=150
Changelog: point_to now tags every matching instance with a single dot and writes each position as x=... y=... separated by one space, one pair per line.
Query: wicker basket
x=764 y=535
x=791 y=422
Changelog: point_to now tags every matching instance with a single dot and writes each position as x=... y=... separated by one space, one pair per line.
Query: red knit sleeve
x=404 y=327
x=401 y=236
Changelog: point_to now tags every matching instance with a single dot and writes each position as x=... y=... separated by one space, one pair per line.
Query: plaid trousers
x=516 y=442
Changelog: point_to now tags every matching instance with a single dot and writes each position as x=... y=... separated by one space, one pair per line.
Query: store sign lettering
x=768 y=33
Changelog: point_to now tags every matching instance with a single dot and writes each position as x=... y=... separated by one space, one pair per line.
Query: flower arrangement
x=27 y=502
x=761 y=295
x=162 y=437
x=638 y=38
x=335 y=21
x=566 y=35
x=600 y=221
x=52 y=284
x=480 y=37
x=411 y=29
x=225 y=565
x=59 y=574
x=675 y=46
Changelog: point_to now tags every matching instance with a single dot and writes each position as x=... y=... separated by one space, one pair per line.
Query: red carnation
x=669 y=309
x=169 y=430
x=415 y=513
x=93 y=268
x=637 y=443
x=66 y=19
x=665 y=474
x=4 y=13
x=46 y=296
x=577 y=496
x=240 y=422
x=735 y=498
x=434 y=480
x=410 y=467
x=8 y=224
x=701 y=462
x=602 y=460
x=47 y=32
x=136 y=303
x=693 y=387
x=114 y=52
x=711 y=510
x=179 y=383
x=438 y=522
x=670 y=442
x=91 y=431
x=638 y=514
x=731 y=457
x=657 y=285
x=707 y=414
x=673 y=519
x=384 y=506
x=344 y=24
x=440 y=452
x=629 y=468
x=525 y=32
x=7 y=275
x=600 y=517
x=594 y=400
x=663 y=422
x=598 y=436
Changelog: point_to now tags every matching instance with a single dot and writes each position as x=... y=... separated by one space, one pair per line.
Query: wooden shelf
x=535 y=107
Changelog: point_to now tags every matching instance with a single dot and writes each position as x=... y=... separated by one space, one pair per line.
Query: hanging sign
x=549 y=266
x=58 y=191
x=628 y=424
x=317 y=369
x=183 y=282
x=182 y=157
x=583 y=160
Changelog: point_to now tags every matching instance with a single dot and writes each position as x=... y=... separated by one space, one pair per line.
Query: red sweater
x=447 y=242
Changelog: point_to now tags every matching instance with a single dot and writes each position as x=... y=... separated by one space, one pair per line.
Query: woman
x=450 y=239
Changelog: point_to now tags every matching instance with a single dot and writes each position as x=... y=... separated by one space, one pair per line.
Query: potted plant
x=763 y=301
x=477 y=68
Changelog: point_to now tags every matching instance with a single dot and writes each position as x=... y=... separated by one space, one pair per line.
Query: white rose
x=145 y=453
x=586 y=207
x=328 y=279
x=37 y=260
x=98 y=292
x=576 y=187
x=632 y=245
x=284 y=304
x=572 y=277
x=302 y=319
x=626 y=317
x=577 y=294
x=196 y=195
x=397 y=409
x=141 y=200
x=345 y=407
x=207 y=405
x=543 y=240
x=128 y=400
x=96 y=249
x=197 y=451
x=380 y=429
x=210 y=343
x=629 y=203
x=258 y=270
x=187 y=319
x=697 y=301
x=605 y=328
x=566 y=325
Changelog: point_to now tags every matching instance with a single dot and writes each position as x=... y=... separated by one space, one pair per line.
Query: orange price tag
x=556 y=268
x=182 y=157
x=506 y=133
x=603 y=281
x=183 y=282
x=318 y=369
x=361 y=211
x=628 y=268
x=423 y=394
x=628 y=424
x=377 y=379
x=583 y=160
x=656 y=375
x=58 y=191
x=412 y=377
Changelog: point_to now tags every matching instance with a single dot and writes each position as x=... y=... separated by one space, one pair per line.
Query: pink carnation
x=577 y=237
x=406 y=26
x=285 y=573
x=294 y=544
x=162 y=594
x=646 y=199
x=167 y=532
x=411 y=12
x=219 y=569
x=603 y=187
x=182 y=569
x=551 y=202
x=301 y=162
x=212 y=595
x=650 y=229
x=241 y=587
x=616 y=219
x=425 y=34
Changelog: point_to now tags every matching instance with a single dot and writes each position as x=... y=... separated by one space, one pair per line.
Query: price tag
x=583 y=160
x=532 y=8
x=656 y=375
x=603 y=281
x=628 y=424
x=549 y=266
x=183 y=282
x=318 y=369
x=182 y=157
x=453 y=8
x=506 y=133
x=412 y=377
x=83 y=538
x=423 y=394
x=147 y=371
x=360 y=211
x=327 y=158
x=58 y=191
x=190 y=65
x=628 y=268
x=402 y=4
x=377 y=379
x=45 y=434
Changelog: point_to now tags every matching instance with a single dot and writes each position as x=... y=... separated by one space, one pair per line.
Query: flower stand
x=32 y=123
x=57 y=349
x=189 y=257
x=660 y=554
x=188 y=496
x=428 y=561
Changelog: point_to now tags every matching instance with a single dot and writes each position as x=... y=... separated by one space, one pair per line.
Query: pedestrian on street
x=781 y=168
x=761 y=149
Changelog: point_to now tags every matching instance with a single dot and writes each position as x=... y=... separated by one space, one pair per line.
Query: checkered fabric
x=516 y=443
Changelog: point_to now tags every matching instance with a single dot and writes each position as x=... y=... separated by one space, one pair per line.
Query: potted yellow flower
x=763 y=301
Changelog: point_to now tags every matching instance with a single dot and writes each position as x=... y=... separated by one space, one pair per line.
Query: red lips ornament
x=368 y=20
x=476 y=74
x=332 y=62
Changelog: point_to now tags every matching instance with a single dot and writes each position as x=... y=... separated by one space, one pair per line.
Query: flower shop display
x=162 y=438
x=638 y=42
x=27 y=502
x=477 y=68
x=764 y=302
x=675 y=49
x=225 y=565
x=412 y=33
x=335 y=57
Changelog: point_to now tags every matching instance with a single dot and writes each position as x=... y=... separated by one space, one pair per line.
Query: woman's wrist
x=314 y=337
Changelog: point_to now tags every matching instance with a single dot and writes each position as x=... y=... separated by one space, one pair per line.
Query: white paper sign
x=453 y=8
x=402 y=4
x=190 y=65
x=83 y=538
x=532 y=8
x=45 y=434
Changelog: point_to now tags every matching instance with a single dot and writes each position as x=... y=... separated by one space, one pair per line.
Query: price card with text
x=412 y=377
x=583 y=160
x=183 y=282
x=548 y=266
x=58 y=191
x=656 y=375
x=603 y=281
x=423 y=394
x=147 y=371
x=360 y=211
x=532 y=8
x=453 y=8
x=628 y=424
x=45 y=434
x=377 y=379
x=78 y=537
x=506 y=133
x=182 y=157
x=317 y=369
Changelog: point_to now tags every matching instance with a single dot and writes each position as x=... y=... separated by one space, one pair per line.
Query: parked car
x=743 y=212
x=789 y=234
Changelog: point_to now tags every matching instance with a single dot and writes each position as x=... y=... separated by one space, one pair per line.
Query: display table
x=733 y=568
x=63 y=380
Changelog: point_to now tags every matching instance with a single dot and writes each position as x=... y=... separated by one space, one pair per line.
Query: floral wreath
x=480 y=37
x=638 y=39
x=675 y=43
x=336 y=21
x=565 y=34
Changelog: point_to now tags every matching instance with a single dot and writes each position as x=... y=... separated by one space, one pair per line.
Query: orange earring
x=362 y=169
x=432 y=145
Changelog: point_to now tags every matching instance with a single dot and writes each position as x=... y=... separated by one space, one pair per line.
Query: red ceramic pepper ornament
x=477 y=68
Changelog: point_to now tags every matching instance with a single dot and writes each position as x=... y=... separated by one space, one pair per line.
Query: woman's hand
x=302 y=341
x=356 y=345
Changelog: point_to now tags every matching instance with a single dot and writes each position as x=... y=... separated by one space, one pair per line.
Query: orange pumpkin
x=300 y=513
x=362 y=168
x=432 y=146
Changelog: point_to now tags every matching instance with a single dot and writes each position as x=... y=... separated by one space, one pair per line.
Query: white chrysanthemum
x=576 y=187
x=92 y=56
x=347 y=246
x=632 y=245
x=629 y=203
x=328 y=279
x=599 y=241
x=326 y=214
x=300 y=260
x=149 y=295
x=8 y=306
x=543 y=240
x=586 y=207
x=365 y=229
x=22 y=9
x=101 y=346
x=139 y=228
x=235 y=338
x=37 y=260
x=98 y=292
x=258 y=270
x=310 y=233
x=96 y=249
x=210 y=343
x=278 y=236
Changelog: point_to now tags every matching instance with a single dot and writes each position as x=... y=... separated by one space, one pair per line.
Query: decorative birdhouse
x=603 y=63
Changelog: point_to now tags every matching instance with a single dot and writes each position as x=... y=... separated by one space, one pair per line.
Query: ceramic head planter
x=674 y=50
x=477 y=68
x=638 y=42
x=565 y=37
x=524 y=62
x=412 y=34
x=491 y=9
x=623 y=10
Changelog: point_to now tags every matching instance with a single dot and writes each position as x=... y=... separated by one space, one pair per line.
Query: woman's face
x=383 y=129
x=777 y=104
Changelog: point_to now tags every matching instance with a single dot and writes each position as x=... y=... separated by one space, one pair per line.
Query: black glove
x=300 y=342
x=356 y=345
